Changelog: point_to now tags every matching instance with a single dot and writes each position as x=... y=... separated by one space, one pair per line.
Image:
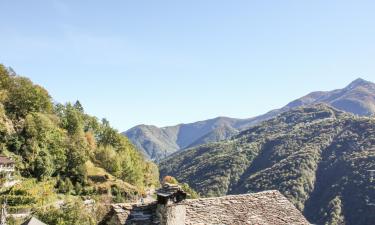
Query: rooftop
x=5 y=160
x=268 y=207
x=33 y=221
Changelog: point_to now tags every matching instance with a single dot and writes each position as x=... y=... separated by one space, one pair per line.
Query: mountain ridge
x=358 y=98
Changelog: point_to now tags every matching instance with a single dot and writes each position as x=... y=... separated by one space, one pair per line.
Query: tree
x=5 y=77
x=24 y=97
x=43 y=165
x=109 y=159
x=76 y=158
x=78 y=106
x=109 y=136
x=73 y=121
x=170 y=180
x=6 y=129
x=44 y=145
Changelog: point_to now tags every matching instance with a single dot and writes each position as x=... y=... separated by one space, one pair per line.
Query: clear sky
x=167 y=62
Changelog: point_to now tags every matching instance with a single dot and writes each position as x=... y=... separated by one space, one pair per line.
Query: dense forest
x=317 y=156
x=62 y=153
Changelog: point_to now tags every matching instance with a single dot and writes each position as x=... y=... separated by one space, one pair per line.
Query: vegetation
x=317 y=157
x=71 y=213
x=64 y=150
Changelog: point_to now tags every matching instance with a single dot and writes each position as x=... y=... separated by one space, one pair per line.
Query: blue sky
x=168 y=62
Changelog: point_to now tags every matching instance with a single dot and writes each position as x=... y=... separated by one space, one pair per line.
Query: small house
x=263 y=208
x=33 y=221
x=6 y=167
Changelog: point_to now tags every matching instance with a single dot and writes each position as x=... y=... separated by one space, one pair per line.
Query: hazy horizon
x=165 y=63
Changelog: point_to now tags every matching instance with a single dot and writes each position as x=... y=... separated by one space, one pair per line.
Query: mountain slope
x=317 y=157
x=152 y=141
x=156 y=143
x=357 y=98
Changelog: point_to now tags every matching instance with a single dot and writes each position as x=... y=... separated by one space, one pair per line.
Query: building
x=268 y=207
x=7 y=168
x=33 y=221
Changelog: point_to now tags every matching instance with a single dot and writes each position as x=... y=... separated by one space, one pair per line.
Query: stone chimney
x=169 y=211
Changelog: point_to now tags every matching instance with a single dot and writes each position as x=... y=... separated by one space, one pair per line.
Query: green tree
x=78 y=106
x=109 y=159
x=44 y=144
x=5 y=78
x=5 y=83
x=76 y=158
x=43 y=165
x=73 y=121
x=24 y=97
x=109 y=136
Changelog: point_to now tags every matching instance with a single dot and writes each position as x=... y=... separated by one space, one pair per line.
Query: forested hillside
x=60 y=149
x=317 y=156
x=358 y=98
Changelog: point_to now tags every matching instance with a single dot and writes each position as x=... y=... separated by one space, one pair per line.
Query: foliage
x=170 y=180
x=190 y=191
x=24 y=97
x=57 y=140
x=52 y=143
x=44 y=145
x=334 y=212
x=108 y=159
x=71 y=213
x=29 y=194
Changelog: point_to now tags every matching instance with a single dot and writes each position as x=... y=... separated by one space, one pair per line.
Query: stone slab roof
x=33 y=221
x=263 y=208
x=5 y=160
x=268 y=208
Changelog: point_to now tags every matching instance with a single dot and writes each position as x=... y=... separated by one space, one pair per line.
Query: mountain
x=157 y=143
x=357 y=98
x=317 y=156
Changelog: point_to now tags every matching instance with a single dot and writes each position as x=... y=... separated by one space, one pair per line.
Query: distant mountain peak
x=358 y=82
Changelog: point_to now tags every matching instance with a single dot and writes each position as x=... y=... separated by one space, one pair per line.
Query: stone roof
x=168 y=190
x=5 y=160
x=263 y=208
x=268 y=207
x=33 y=221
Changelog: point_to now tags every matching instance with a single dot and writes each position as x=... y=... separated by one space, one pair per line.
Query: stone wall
x=171 y=214
x=132 y=214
